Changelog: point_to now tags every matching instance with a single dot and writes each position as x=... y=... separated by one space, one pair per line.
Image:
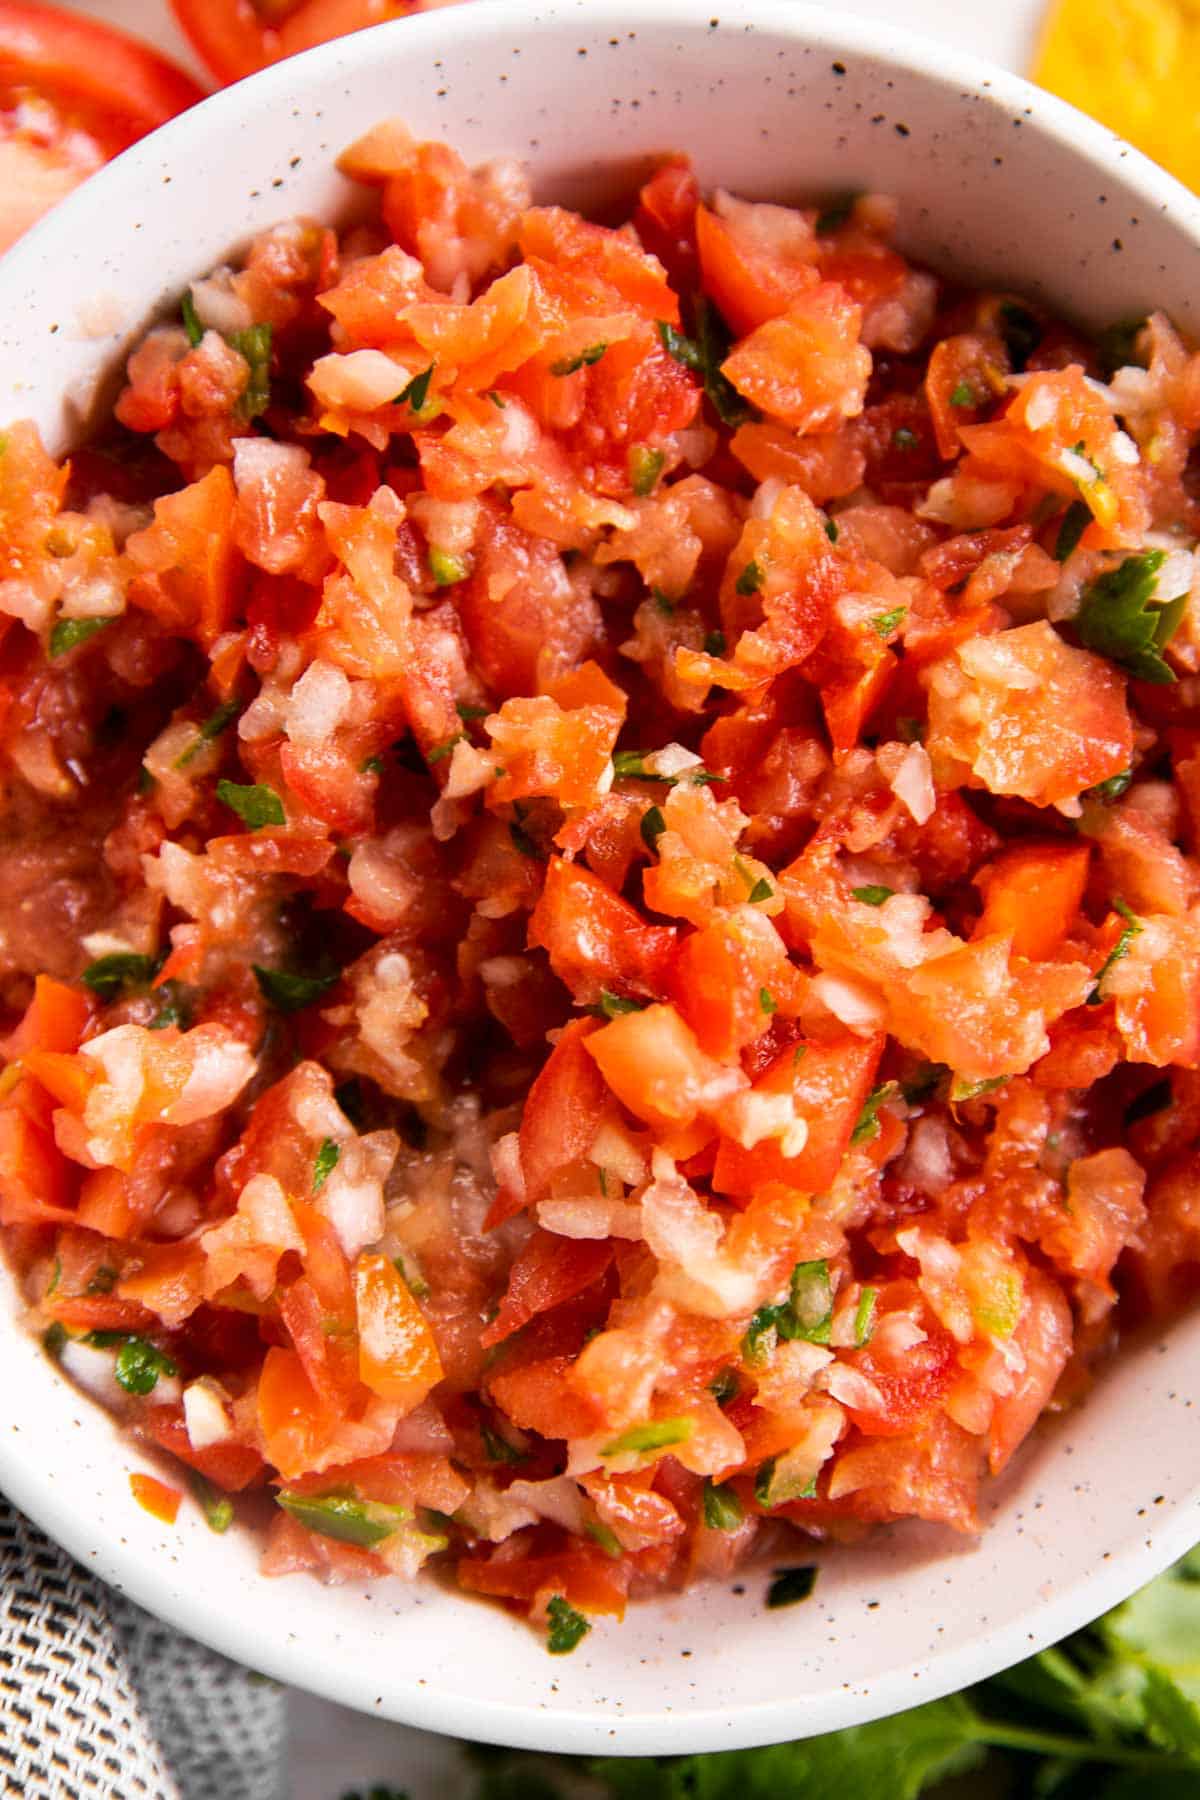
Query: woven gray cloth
x=98 y=1701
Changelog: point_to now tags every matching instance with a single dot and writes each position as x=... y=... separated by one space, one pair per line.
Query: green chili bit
x=659 y=1434
x=1120 y=950
x=645 y=467
x=68 y=634
x=723 y=1511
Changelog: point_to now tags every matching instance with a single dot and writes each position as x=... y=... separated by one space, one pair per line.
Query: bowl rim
x=201 y=1614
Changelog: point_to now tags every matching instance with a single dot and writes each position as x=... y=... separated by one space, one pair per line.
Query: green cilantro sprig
x=1118 y=618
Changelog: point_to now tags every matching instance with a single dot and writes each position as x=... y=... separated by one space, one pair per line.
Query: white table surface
x=332 y=1750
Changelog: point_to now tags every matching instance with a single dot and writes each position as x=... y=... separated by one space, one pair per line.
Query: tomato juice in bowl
x=858 y=1627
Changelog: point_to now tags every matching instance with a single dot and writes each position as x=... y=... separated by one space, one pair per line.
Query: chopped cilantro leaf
x=903 y=438
x=611 y=1006
x=750 y=580
x=470 y=713
x=53 y=1339
x=714 y=643
x=1112 y=789
x=254 y=343
x=681 y=347
x=191 y=321
x=1117 y=619
x=704 y=355
x=723 y=1510
x=831 y=530
x=762 y=890
x=664 y=602
x=212 y=727
x=570 y=365
x=645 y=467
x=174 y=1007
x=103 y=1281
x=68 y=634
x=868 y=1119
x=767 y=1001
x=791 y=1585
x=964 y=395
x=440 y=751
x=567 y=1628
x=415 y=393
x=325 y=1163
x=1072 y=526
x=873 y=894
x=288 y=992
x=139 y=1363
x=659 y=1434
x=119 y=971
x=254 y=805
x=1121 y=949
x=652 y=827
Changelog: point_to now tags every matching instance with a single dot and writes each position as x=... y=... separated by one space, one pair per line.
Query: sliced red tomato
x=235 y=37
x=73 y=94
x=828 y=1084
x=549 y=1271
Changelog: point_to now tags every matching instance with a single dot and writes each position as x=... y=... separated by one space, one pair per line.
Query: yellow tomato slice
x=1132 y=65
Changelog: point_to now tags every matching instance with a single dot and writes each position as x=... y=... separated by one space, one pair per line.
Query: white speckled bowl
x=997 y=181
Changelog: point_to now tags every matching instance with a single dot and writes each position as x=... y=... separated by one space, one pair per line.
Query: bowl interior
x=995 y=182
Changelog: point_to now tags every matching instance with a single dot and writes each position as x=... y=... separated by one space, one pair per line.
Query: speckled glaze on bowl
x=997 y=182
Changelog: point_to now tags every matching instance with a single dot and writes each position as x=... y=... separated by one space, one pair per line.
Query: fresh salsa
x=598 y=903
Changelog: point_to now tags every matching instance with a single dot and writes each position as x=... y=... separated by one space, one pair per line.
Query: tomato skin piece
x=829 y=1084
x=596 y=940
x=549 y=1271
x=106 y=89
x=1043 y=1336
x=1032 y=893
x=653 y=1063
x=189 y=572
x=585 y=1578
x=908 y=1393
x=562 y=1114
x=54 y=1020
x=666 y=219
x=397 y=1357
x=155 y=1497
x=295 y=1424
x=232 y=40
x=232 y=1466
x=748 y=284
